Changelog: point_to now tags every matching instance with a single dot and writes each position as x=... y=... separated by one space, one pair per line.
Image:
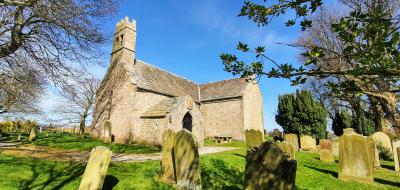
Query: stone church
x=141 y=101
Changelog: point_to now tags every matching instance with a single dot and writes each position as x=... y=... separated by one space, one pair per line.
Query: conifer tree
x=341 y=121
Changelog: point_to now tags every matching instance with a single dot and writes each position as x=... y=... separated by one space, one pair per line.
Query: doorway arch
x=187 y=122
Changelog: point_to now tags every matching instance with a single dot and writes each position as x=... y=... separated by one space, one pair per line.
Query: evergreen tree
x=299 y=113
x=363 y=125
x=341 y=121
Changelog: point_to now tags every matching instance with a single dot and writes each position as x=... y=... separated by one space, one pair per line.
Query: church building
x=140 y=101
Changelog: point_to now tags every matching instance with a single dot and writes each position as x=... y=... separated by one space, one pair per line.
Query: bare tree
x=40 y=40
x=78 y=101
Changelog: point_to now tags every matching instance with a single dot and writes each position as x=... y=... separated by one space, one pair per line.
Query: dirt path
x=72 y=155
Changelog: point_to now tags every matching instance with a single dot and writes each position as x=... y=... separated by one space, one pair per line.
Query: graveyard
x=223 y=170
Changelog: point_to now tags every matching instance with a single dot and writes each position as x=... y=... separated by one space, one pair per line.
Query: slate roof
x=163 y=108
x=151 y=78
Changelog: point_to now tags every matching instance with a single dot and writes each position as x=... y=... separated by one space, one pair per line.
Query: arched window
x=187 y=122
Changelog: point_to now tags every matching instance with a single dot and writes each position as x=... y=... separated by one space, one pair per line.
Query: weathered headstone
x=307 y=143
x=107 y=131
x=325 y=150
x=19 y=137
x=186 y=161
x=292 y=139
x=167 y=162
x=96 y=169
x=253 y=138
x=267 y=167
x=287 y=148
x=377 y=162
x=356 y=157
x=335 y=147
x=326 y=155
x=325 y=144
x=382 y=139
x=396 y=155
x=32 y=133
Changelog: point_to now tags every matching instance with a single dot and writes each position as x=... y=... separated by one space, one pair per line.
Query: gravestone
x=326 y=155
x=287 y=148
x=292 y=139
x=32 y=134
x=107 y=131
x=356 y=157
x=186 y=161
x=382 y=139
x=325 y=144
x=19 y=137
x=253 y=138
x=267 y=167
x=335 y=147
x=396 y=155
x=307 y=143
x=96 y=169
x=377 y=162
x=325 y=151
x=167 y=163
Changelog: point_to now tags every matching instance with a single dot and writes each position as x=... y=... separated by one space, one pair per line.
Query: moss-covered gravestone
x=253 y=138
x=396 y=146
x=267 y=167
x=186 y=161
x=107 y=131
x=96 y=169
x=167 y=163
x=292 y=139
x=308 y=143
x=325 y=144
x=356 y=157
x=32 y=133
x=287 y=148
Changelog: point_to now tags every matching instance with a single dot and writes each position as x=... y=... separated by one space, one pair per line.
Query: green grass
x=233 y=143
x=219 y=171
x=74 y=142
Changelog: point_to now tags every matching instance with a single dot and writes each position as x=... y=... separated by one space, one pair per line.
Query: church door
x=187 y=122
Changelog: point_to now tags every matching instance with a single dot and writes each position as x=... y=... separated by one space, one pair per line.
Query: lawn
x=219 y=171
x=74 y=142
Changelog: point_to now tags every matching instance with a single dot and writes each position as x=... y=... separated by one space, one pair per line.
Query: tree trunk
x=82 y=124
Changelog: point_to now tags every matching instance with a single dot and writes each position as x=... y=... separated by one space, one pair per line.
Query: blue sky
x=186 y=38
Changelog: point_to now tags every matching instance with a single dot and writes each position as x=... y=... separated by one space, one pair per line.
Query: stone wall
x=252 y=108
x=151 y=130
x=223 y=118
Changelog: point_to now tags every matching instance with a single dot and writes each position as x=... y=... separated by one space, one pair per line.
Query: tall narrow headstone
x=32 y=133
x=253 y=138
x=167 y=163
x=267 y=167
x=356 y=157
x=107 y=131
x=186 y=161
x=396 y=155
x=96 y=169
x=292 y=139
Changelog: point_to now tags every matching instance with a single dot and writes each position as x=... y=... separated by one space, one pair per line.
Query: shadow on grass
x=333 y=173
x=110 y=182
x=387 y=167
x=386 y=182
x=218 y=175
x=243 y=156
x=51 y=176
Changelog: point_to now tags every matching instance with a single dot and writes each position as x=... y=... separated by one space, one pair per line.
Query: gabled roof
x=222 y=89
x=151 y=78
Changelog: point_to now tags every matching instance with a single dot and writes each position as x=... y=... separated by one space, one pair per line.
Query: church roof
x=163 y=108
x=151 y=78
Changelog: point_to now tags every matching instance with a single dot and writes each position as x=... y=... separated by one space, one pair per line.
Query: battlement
x=125 y=23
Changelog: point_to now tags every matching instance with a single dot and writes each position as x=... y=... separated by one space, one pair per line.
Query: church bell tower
x=124 y=42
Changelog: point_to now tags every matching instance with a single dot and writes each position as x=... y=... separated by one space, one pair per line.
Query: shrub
x=384 y=153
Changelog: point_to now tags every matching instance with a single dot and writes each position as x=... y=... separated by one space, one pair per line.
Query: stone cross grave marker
x=96 y=169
